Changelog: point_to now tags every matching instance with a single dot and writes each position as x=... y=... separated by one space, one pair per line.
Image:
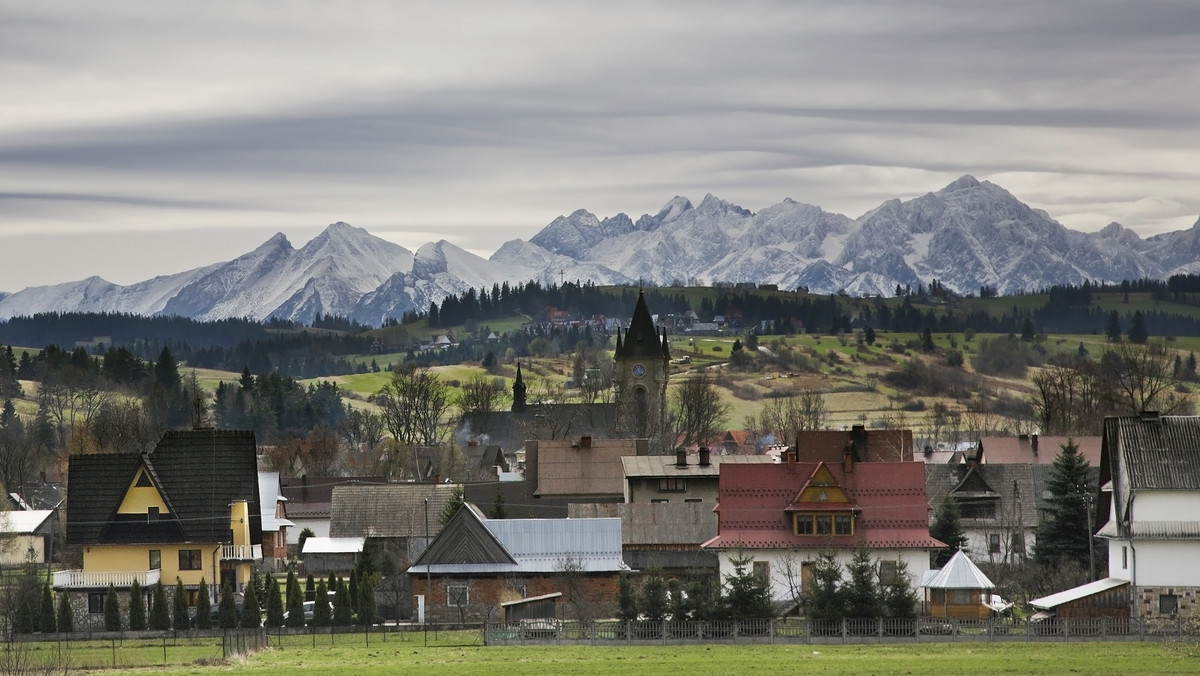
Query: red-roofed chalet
x=784 y=515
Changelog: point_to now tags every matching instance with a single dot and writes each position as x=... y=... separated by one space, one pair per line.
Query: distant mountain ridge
x=967 y=235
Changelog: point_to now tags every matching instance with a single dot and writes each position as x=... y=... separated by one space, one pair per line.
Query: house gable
x=465 y=540
x=142 y=495
x=821 y=491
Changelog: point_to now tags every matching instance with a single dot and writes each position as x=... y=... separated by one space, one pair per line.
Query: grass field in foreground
x=395 y=657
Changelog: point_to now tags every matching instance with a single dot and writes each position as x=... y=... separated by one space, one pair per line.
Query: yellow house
x=187 y=510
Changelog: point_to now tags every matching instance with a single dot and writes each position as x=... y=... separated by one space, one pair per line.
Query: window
x=762 y=570
x=692 y=500
x=823 y=523
x=961 y=597
x=993 y=543
x=659 y=501
x=977 y=510
x=1125 y=558
x=458 y=595
x=1018 y=543
x=1168 y=604
x=189 y=559
x=672 y=485
x=155 y=559
x=151 y=515
x=521 y=589
x=96 y=602
x=841 y=524
x=888 y=571
x=192 y=595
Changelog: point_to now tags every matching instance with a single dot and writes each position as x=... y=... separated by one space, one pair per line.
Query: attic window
x=143 y=480
x=823 y=523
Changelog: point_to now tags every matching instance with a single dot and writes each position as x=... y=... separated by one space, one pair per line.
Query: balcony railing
x=78 y=579
x=241 y=552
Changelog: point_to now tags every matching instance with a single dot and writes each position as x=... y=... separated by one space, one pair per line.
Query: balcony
x=241 y=552
x=78 y=579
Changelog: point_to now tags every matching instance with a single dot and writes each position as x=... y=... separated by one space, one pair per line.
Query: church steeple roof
x=642 y=339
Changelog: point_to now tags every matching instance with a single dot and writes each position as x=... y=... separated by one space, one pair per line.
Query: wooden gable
x=821 y=489
x=974 y=485
x=465 y=540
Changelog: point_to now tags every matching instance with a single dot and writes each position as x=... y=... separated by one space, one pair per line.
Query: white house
x=1150 y=495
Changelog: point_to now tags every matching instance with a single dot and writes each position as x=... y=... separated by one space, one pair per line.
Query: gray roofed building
x=476 y=563
x=680 y=477
x=387 y=511
x=663 y=536
x=1149 y=503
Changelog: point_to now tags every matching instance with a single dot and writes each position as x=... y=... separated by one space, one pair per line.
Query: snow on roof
x=324 y=545
x=1057 y=599
x=24 y=522
x=958 y=573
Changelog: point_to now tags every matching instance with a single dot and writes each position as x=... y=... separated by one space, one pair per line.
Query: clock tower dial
x=639 y=370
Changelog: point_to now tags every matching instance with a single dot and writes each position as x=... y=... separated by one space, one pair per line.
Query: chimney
x=1148 y=416
x=790 y=453
x=680 y=457
x=704 y=457
x=303 y=488
x=585 y=442
x=1033 y=443
x=848 y=458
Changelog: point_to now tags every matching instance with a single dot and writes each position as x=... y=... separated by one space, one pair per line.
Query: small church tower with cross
x=642 y=369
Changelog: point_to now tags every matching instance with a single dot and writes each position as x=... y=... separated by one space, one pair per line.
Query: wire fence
x=133 y=649
x=871 y=630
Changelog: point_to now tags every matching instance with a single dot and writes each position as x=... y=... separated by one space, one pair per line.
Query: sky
x=147 y=138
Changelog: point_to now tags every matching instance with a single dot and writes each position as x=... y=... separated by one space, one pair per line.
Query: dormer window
x=823 y=523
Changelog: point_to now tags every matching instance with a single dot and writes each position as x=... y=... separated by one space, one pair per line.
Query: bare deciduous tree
x=788 y=416
x=697 y=410
x=1142 y=378
x=413 y=404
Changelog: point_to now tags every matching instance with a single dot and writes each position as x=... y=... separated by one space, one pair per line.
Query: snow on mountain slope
x=328 y=275
x=97 y=295
x=969 y=233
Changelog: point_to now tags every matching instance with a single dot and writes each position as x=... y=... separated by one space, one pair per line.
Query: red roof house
x=784 y=514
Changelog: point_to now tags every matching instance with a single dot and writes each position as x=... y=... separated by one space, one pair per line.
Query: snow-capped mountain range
x=966 y=235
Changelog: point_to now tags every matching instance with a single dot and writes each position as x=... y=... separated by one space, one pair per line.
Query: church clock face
x=638 y=370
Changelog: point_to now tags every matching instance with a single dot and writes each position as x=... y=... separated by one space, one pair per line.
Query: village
x=831 y=526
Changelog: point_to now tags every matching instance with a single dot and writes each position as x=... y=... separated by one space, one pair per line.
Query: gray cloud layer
x=158 y=137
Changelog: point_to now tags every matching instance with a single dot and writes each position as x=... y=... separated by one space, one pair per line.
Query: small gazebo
x=959 y=590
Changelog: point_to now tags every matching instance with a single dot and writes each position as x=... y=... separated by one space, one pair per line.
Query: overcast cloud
x=144 y=138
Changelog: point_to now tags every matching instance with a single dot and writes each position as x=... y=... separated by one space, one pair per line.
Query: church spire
x=518 y=388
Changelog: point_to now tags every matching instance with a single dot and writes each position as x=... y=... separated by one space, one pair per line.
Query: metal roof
x=1057 y=599
x=958 y=573
x=323 y=545
x=892 y=511
x=534 y=546
x=665 y=465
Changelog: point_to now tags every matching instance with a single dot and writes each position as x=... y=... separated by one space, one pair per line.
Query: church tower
x=642 y=369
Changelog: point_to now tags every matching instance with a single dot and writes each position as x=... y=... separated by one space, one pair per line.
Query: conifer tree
x=1137 y=329
x=825 y=599
x=160 y=615
x=899 y=598
x=862 y=594
x=626 y=598
x=274 y=602
x=295 y=604
x=228 y=609
x=137 y=607
x=251 y=610
x=203 y=606
x=112 y=610
x=947 y=527
x=654 y=597
x=47 y=620
x=321 y=611
x=66 y=616
x=310 y=588
x=747 y=594
x=343 y=613
x=367 y=609
x=353 y=589
x=179 y=604
x=1066 y=535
